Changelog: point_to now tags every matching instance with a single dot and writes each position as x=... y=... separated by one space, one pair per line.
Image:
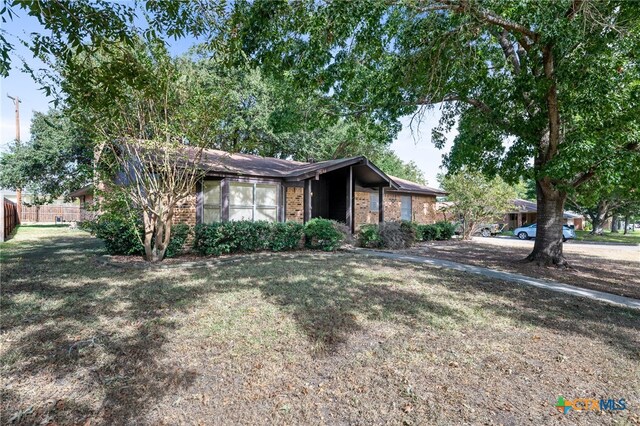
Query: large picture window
x=211 y=201
x=253 y=201
x=405 y=207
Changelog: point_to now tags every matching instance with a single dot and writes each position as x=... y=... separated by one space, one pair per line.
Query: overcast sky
x=409 y=145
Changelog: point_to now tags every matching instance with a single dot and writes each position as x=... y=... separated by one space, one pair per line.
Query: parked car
x=484 y=229
x=528 y=232
x=490 y=229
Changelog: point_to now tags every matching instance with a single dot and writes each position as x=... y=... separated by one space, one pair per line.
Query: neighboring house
x=85 y=197
x=525 y=212
x=350 y=190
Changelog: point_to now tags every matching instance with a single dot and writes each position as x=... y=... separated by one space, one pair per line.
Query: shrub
x=428 y=232
x=438 y=231
x=409 y=230
x=397 y=235
x=119 y=236
x=369 y=236
x=246 y=236
x=286 y=236
x=324 y=234
x=123 y=237
x=179 y=234
x=447 y=229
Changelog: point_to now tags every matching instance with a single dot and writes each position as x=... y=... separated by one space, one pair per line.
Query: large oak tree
x=546 y=90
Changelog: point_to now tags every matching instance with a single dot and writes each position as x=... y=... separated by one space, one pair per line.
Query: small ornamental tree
x=152 y=134
x=476 y=199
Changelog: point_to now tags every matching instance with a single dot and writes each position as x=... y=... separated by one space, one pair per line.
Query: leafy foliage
x=476 y=199
x=442 y=230
x=541 y=90
x=324 y=234
x=179 y=234
x=246 y=236
x=56 y=160
x=369 y=236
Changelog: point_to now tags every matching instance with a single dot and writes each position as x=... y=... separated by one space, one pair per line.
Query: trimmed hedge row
x=120 y=237
x=246 y=236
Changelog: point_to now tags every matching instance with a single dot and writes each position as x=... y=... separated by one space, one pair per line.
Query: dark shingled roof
x=526 y=206
x=221 y=162
x=85 y=190
x=254 y=165
x=408 y=186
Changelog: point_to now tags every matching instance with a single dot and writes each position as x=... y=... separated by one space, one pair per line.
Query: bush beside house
x=245 y=236
x=122 y=236
x=398 y=235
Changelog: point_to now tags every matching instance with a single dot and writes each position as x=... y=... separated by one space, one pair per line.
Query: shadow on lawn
x=56 y=298
x=104 y=329
x=613 y=276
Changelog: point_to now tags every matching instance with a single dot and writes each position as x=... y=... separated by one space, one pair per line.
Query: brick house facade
x=352 y=190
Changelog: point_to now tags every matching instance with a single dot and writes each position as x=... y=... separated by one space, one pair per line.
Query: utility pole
x=16 y=101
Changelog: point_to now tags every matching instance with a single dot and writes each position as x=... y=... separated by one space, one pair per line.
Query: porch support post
x=224 y=192
x=350 y=211
x=307 y=201
x=380 y=204
x=199 y=202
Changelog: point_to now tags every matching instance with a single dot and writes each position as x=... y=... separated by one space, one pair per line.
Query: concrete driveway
x=607 y=251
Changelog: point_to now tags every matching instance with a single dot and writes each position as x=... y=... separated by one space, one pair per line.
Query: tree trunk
x=626 y=224
x=547 y=249
x=615 y=224
x=157 y=235
x=599 y=217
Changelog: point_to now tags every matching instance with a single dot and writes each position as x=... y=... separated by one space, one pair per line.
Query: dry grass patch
x=588 y=270
x=297 y=338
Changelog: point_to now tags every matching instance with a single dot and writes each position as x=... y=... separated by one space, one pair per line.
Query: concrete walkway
x=509 y=276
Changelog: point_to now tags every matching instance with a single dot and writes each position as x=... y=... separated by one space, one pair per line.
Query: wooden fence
x=50 y=214
x=9 y=218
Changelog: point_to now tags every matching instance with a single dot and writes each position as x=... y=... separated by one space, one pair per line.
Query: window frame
x=254 y=207
x=205 y=204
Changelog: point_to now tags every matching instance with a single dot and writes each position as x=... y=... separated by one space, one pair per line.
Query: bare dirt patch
x=588 y=269
x=306 y=338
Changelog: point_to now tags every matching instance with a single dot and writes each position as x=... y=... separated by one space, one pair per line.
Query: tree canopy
x=542 y=90
x=56 y=160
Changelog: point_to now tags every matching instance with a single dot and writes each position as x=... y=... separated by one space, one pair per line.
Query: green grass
x=608 y=237
x=292 y=338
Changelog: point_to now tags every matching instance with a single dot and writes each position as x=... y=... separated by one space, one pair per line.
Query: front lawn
x=302 y=338
x=610 y=237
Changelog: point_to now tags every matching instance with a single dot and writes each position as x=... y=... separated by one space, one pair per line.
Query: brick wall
x=363 y=209
x=186 y=211
x=392 y=206
x=423 y=206
x=294 y=207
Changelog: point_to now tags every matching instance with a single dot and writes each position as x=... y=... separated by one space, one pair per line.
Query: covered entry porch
x=329 y=192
